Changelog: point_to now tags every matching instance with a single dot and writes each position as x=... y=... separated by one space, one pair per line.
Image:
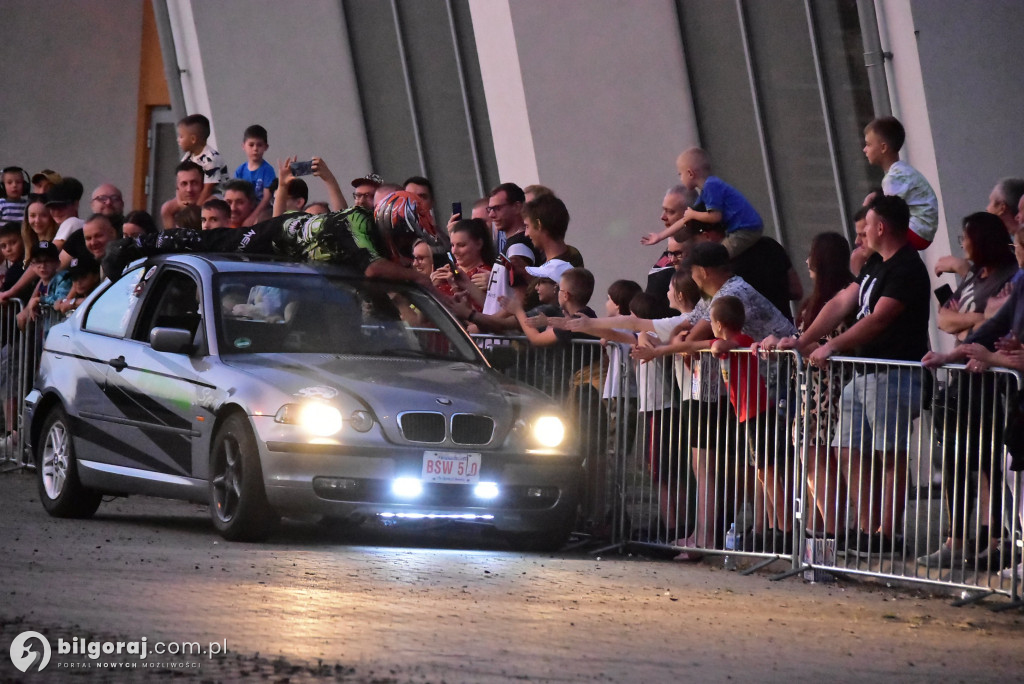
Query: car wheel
x=238 y=500
x=60 y=490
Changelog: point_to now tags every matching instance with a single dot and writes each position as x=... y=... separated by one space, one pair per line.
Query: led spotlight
x=486 y=490
x=407 y=487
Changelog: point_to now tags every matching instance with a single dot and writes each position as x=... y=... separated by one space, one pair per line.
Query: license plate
x=451 y=468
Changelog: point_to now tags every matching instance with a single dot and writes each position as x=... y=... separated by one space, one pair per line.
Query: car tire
x=60 y=490
x=238 y=499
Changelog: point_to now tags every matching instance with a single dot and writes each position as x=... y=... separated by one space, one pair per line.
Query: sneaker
x=9 y=442
x=862 y=544
x=992 y=558
x=943 y=557
x=1008 y=573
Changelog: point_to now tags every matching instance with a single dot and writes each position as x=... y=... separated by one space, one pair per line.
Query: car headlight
x=314 y=417
x=549 y=431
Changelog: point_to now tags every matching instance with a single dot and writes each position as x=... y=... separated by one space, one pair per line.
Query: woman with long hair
x=38 y=224
x=960 y=409
x=474 y=255
x=992 y=265
x=828 y=264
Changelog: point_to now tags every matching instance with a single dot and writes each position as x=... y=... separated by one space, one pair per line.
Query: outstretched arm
x=334 y=194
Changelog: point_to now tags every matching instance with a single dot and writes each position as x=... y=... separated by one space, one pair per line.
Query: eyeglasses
x=420 y=258
x=107 y=199
x=362 y=195
x=496 y=208
x=676 y=254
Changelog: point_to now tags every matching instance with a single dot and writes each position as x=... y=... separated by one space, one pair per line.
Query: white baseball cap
x=552 y=269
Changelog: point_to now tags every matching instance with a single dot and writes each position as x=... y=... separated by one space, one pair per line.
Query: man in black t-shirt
x=891 y=301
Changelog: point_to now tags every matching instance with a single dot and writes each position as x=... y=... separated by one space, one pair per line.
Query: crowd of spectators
x=508 y=268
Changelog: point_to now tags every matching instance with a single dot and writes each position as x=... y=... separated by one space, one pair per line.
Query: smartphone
x=301 y=168
x=456 y=208
x=454 y=266
x=944 y=294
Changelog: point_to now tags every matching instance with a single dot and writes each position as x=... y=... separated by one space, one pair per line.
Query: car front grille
x=471 y=429
x=422 y=427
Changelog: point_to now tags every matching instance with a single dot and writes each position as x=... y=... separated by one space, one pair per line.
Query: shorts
x=878 y=409
x=712 y=424
x=739 y=240
x=768 y=439
x=660 y=432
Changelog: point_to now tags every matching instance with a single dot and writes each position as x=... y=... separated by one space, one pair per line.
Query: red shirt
x=447 y=289
x=747 y=390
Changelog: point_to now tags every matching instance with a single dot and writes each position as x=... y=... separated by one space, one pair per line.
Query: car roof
x=244 y=263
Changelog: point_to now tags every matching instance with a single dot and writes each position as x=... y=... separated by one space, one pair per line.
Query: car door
x=154 y=393
x=100 y=338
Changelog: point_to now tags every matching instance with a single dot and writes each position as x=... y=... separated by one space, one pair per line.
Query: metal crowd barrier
x=864 y=467
x=707 y=478
x=19 y=362
x=575 y=374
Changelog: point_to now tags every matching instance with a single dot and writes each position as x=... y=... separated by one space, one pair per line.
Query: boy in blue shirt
x=257 y=170
x=722 y=204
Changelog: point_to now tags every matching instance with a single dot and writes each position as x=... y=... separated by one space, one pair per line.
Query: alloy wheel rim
x=55 y=461
x=227 y=480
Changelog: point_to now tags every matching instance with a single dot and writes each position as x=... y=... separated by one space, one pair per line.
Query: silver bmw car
x=267 y=388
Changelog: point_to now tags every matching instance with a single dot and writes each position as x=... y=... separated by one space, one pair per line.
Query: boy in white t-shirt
x=193 y=139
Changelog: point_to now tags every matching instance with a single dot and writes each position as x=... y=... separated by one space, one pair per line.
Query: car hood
x=388 y=385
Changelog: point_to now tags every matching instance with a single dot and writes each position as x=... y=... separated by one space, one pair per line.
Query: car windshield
x=262 y=313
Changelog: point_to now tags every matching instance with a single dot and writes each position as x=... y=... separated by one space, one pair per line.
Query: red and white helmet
x=401 y=221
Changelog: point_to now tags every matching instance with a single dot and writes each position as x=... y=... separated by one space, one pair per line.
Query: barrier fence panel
x=12 y=365
x=868 y=467
x=575 y=374
x=22 y=338
x=908 y=477
x=715 y=467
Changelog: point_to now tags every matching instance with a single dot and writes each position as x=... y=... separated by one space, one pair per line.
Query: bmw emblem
x=443 y=401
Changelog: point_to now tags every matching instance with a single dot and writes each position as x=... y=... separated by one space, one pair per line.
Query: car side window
x=173 y=302
x=112 y=311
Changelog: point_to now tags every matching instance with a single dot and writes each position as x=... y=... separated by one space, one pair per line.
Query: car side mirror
x=501 y=357
x=171 y=340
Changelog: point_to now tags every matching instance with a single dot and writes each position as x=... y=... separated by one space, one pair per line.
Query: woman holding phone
x=472 y=253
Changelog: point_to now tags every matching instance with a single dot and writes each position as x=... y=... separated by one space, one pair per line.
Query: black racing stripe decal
x=168 y=443
x=139 y=406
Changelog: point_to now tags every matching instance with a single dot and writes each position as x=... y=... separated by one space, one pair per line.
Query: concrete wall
x=71 y=72
x=972 y=67
x=290 y=71
x=608 y=105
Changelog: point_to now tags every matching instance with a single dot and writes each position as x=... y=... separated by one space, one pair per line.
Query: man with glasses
x=659 y=278
x=108 y=201
x=505 y=210
x=364 y=188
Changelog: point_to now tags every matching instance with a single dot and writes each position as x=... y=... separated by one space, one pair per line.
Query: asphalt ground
x=433 y=604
